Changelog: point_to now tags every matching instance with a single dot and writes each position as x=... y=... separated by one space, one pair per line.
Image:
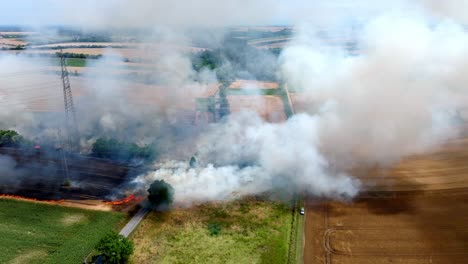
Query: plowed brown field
x=415 y=212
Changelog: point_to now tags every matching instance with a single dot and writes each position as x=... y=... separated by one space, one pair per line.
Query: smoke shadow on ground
x=388 y=205
x=41 y=175
x=390 y=202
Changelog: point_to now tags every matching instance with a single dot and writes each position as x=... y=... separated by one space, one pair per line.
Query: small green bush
x=214 y=229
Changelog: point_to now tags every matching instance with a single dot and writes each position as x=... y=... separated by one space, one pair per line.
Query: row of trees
x=17 y=47
x=102 y=148
x=121 y=151
x=237 y=59
x=11 y=139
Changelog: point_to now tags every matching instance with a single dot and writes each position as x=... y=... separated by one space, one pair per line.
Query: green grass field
x=74 y=62
x=40 y=233
x=250 y=231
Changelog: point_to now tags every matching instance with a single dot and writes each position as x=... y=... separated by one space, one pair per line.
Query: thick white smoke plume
x=401 y=95
x=246 y=155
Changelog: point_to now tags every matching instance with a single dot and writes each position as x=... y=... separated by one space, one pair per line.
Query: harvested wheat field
x=250 y=84
x=42 y=91
x=415 y=212
x=269 y=107
x=11 y=42
x=130 y=53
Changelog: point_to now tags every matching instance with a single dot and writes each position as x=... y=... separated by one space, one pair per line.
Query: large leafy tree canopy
x=11 y=139
x=117 y=150
x=115 y=248
x=161 y=194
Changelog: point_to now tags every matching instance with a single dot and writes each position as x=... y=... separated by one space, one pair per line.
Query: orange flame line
x=127 y=199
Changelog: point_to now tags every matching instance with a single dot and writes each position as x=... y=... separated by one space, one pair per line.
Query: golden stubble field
x=415 y=212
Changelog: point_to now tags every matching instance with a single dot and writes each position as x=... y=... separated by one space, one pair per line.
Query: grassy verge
x=299 y=234
x=41 y=233
x=71 y=62
x=246 y=231
x=284 y=97
x=75 y=62
x=296 y=247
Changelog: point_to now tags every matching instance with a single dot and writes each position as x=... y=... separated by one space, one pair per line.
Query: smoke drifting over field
x=245 y=155
x=400 y=96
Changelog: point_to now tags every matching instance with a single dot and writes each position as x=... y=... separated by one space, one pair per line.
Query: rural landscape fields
x=33 y=232
x=140 y=132
x=252 y=229
x=414 y=212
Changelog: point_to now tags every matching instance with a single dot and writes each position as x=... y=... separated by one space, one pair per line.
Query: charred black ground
x=40 y=174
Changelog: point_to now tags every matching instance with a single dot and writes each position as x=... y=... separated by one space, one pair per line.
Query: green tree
x=11 y=139
x=123 y=151
x=161 y=194
x=115 y=248
x=193 y=162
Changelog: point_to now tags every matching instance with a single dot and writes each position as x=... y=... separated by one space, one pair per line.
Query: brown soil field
x=17 y=33
x=96 y=205
x=43 y=92
x=11 y=42
x=302 y=102
x=137 y=50
x=130 y=53
x=265 y=28
x=104 y=44
x=183 y=98
x=414 y=212
x=31 y=91
x=273 y=46
x=248 y=84
x=269 y=107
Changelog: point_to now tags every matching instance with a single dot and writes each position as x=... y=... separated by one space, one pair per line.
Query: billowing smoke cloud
x=400 y=95
x=205 y=13
x=451 y=9
x=245 y=155
x=27 y=90
x=13 y=176
x=135 y=112
x=10 y=175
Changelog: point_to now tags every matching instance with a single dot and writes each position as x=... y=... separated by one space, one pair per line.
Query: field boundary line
x=293 y=234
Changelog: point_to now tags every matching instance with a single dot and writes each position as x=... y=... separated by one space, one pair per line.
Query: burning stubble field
x=416 y=212
x=245 y=231
x=40 y=233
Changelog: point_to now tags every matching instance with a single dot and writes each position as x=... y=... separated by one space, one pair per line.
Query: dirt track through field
x=415 y=212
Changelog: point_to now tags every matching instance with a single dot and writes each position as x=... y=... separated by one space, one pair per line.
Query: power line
x=70 y=114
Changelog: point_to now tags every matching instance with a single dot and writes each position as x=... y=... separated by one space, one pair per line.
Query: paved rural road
x=133 y=223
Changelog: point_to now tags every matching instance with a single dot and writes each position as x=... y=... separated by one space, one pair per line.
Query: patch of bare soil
x=27 y=257
x=414 y=212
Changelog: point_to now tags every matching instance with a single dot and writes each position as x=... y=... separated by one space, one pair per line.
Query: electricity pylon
x=73 y=138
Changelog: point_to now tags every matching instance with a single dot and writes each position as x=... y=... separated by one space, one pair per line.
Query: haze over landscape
x=199 y=114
